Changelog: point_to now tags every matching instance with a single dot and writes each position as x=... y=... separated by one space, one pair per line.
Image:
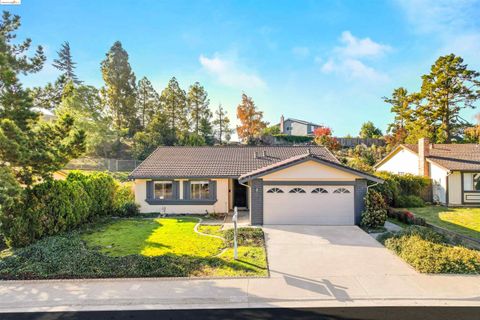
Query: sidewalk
x=286 y=291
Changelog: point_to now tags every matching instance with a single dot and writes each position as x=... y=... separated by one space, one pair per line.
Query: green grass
x=153 y=238
x=214 y=229
x=165 y=247
x=465 y=221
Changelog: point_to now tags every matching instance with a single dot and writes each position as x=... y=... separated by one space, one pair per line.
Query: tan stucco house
x=453 y=168
x=278 y=184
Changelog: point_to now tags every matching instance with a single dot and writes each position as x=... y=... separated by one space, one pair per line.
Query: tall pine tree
x=174 y=106
x=446 y=90
x=120 y=89
x=65 y=63
x=15 y=102
x=221 y=126
x=148 y=101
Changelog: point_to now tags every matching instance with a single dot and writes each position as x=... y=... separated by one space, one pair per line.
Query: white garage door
x=309 y=205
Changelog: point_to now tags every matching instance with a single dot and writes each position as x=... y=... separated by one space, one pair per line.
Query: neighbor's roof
x=221 y=161
x=299 y=159
x=457 y=157
x=303 y=122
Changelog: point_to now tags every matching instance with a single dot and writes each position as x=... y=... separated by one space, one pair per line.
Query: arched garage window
x=275 y=190
x=297 y=190
x=341 y=190
x=319 y=190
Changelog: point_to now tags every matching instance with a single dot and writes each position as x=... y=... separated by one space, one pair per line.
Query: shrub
x=426 y=251
x=397 y=187
x=124 y=201
x=375 y=213
x=246 y=236
x=405 y=216
x=409 y=201
x=293 y=139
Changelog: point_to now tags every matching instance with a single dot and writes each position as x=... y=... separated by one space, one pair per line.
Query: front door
x=239 y=194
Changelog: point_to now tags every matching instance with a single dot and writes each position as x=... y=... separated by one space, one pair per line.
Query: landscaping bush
x=396 y=187
x=426 y=251
x=54 y=206
x=375 y=213
x=293 y=139
x=100 y=187
x=246 y=236
x=405 y=216
x=409 y=201
x=124 y=201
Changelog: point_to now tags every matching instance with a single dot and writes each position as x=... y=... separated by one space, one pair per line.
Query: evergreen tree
x=157 y=133
x=65 y=63
x=401 y=106
x=198 y=105
x=174 y=106
x=251 y=120
x=15 y=102
x=120 y=90
x=446 y=90
x=29 y=150
x=221 y=125
x=148 y=101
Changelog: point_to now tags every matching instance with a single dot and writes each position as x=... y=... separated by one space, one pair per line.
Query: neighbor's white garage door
x=309 y=205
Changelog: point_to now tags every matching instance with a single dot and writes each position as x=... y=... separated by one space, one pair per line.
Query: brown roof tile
x=453 y=156
x=221 y=161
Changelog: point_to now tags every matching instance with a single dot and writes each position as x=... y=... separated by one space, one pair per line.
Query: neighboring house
x=294 y=127
x=278 y=184
x=453 y=168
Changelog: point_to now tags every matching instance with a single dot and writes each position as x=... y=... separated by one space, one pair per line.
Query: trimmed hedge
x=405 y=216
x=427 y=252
x=293 y=139
x=402 y=190
x=56 y=206
x=375 y=213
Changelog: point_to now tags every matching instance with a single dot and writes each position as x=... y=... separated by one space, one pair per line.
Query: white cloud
x=228 y=72
x=346 y=60
x=356 y=47
x=301 y=52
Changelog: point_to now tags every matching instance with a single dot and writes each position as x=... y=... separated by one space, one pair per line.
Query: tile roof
x=302 y=158
x=221 y=161
x=453 y=156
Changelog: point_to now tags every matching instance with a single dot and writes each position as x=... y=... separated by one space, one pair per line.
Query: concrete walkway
x=310 y=266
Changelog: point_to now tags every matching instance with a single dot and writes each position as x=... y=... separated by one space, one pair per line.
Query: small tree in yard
x=375 y=213
x=323 y=137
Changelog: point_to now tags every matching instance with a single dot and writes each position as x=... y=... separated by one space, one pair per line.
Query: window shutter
x=149 y=189
x=186 y=190
x=212 y=186
x=176 y=189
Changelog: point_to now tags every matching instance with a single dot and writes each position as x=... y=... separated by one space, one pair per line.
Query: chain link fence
x=102 y=164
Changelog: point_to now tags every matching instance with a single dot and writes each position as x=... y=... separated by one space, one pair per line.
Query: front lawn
x=166 y=247
x=465 y=221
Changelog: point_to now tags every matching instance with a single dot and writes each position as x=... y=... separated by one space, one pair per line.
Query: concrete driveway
x=323 y=251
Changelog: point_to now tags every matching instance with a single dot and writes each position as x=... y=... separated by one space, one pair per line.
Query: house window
x=163 y=190
x=199 y=190
x=297 y=190
x=471 y=181
x=275 y=190
x=319 y=190
x=341 y=190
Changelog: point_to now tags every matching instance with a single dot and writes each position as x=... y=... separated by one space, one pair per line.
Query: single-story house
x=453 y=168
x=278 y=184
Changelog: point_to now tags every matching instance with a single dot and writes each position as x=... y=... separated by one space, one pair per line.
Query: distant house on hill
x=295 y=127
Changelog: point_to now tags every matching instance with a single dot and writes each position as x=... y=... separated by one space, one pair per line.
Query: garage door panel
x=328 y=208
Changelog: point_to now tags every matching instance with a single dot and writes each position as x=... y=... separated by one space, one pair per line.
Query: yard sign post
x=234 y=219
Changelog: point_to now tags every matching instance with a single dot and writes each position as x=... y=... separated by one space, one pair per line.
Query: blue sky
x=328 y=62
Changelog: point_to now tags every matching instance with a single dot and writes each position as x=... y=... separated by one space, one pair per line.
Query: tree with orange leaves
x=251 y=120
x=323 y=137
